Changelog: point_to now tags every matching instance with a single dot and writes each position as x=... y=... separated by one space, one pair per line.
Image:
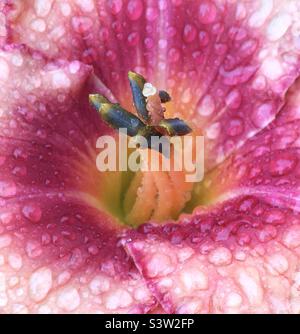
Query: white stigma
x=149 y=90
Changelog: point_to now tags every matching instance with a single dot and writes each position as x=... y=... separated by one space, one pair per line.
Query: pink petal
x=239 y=257
x=267 y=165
x=59 y=250
x=3 y=23
x=227 y=64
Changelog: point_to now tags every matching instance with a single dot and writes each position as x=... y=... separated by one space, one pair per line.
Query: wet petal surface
x=210 y=55
x=59 y=249
x=238 y=257
x=267 y=165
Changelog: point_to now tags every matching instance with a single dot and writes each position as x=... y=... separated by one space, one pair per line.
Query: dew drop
x=207 y=106
x=174 y=55
x=151 y=14
x=198 y=57
x=134 y=9
x=7 y=189
x=267 y=233
x=93 y=250
x=272 y=68
x=149 y=43
x=213 y=131
x=278 y=26
x=207 y=12
x=262 y=115
x=33 y=249
x=235 y=127
x=15 y=261
x=115 y=6
x=42 y=7
x=291 y=237
x=5 y=240
x=203 y=38
x=68 y=299
x=38 y=25
x=81 y=24
x=4 y=70
x=133 y=39
x=17 y=60
x=283 y=164
x=40 y=283
x=233 y=99
x=74 y=67
x=63 y=277
x=32 y=212
x=189 y=33
x=220 y=256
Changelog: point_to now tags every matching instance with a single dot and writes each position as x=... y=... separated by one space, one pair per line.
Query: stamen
x=148 y=103
x=137 y=83
x=164 y=96
x=174 y=127
x=96 y=100
x=116 y=116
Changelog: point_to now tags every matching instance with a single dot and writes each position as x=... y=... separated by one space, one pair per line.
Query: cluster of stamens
x=148 y=102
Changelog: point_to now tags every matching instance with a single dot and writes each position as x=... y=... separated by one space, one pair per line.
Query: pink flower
x=231 y=68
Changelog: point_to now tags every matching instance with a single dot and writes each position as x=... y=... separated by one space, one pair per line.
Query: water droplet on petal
x=291 y=237
x=207 y=106
x=235 y=127
x=42 y=7
x=32 y=212
x=220 y=256
x=40 y=283
x=262 y=115
x=267 y=233
x=68 y=299
x=134 y=9
x=189 y=33
x=115 y=6
x=33 y=249
x=133 y=39
x=93 y=249
x=213 y=131
x=233 y=99
x=15 y=261
x=151 y=14
x=283 y=164
x=278 y=26
x=4 y=70
x=81 y=24
x=5 y=240
x=174 y=55
x=207 y=12
x=7 y=189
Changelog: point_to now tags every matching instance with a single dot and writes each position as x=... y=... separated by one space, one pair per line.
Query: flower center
x=158 y=189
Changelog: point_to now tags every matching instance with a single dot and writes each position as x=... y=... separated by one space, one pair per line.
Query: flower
x=231 y=68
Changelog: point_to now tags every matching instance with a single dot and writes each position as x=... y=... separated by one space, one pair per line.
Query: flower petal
x=3 y=22
x=59 y=255
x=267 y=165
x=211 y=55
x=59 y=249
x=241 y=256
